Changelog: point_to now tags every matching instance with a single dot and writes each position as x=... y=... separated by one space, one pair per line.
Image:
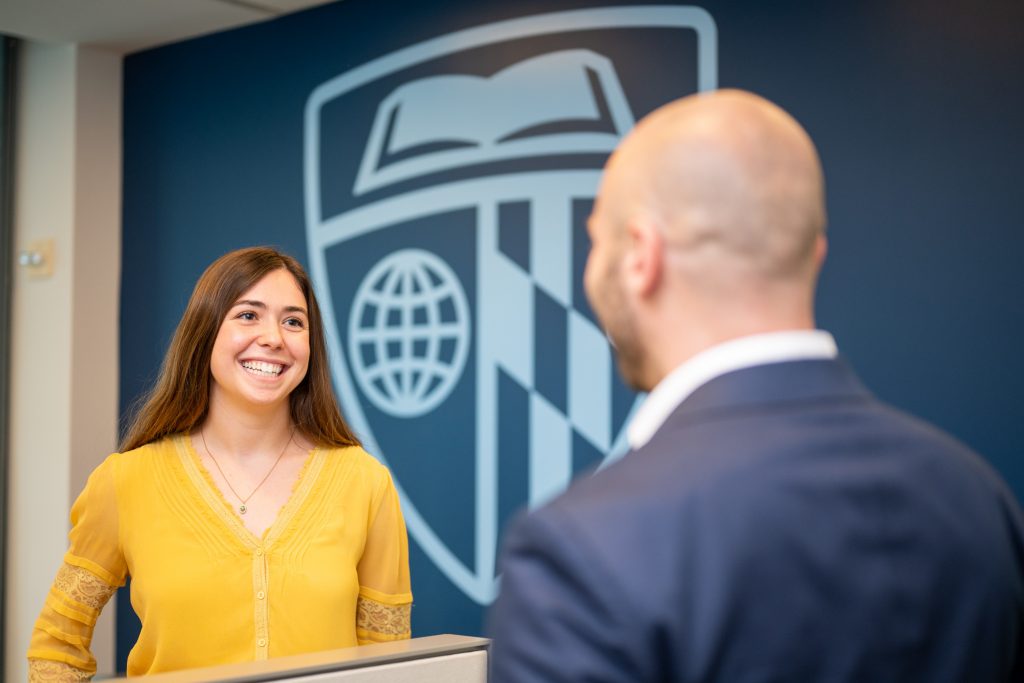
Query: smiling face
x=261 y=352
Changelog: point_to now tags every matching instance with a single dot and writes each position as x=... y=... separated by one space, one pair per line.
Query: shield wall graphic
x=447 y=188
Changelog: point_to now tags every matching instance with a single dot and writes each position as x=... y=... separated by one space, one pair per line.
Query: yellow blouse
x=332 y=571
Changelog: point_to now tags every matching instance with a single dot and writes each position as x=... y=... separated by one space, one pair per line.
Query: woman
x=250 y=520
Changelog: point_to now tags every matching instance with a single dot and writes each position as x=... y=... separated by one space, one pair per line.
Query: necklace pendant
x=242 y=509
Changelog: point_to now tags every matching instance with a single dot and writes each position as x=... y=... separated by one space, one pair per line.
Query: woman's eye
x=247 y=315
x=295 y=322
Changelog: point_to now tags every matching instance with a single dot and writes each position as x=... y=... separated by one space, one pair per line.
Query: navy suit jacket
x=782 y=525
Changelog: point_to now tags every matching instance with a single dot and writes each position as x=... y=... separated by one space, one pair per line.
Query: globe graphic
x=409 y=332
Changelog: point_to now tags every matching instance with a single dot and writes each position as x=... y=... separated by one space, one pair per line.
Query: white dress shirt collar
x=735 y=354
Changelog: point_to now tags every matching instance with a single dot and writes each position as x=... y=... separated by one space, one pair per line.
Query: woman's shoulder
x=123 y=470
x=163 y=445
x=145 y=455
x=357 y=458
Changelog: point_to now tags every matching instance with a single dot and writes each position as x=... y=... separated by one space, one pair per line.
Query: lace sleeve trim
x=48 y=671
x=83 y=586
x=387 y=620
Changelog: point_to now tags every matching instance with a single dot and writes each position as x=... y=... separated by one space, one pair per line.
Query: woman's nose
x=270 y=336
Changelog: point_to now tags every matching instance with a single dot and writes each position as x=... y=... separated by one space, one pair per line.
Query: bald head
x=708 y=226
x=734 y=183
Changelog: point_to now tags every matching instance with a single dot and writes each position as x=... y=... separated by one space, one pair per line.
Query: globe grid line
x=405 y=285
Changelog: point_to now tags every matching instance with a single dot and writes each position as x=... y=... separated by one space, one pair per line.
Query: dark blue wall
x=916 y=108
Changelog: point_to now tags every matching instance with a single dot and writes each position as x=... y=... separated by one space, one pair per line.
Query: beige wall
x=64 y=326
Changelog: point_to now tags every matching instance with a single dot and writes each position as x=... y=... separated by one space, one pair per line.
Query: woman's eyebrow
x=259 y=304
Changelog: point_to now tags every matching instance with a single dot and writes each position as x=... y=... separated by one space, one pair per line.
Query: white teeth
x=271 y=369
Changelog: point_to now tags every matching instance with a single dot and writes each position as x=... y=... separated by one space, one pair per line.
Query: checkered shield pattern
x=556 y=372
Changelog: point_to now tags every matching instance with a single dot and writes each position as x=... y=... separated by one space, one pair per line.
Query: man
x=774 y=521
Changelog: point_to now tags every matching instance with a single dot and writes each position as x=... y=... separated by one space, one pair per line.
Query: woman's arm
x=385 y=597
x=93 y=568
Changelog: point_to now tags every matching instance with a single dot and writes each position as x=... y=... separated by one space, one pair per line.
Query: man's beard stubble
x=620 y=328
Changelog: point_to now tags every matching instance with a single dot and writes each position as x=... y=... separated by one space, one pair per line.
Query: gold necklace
x=242 y=508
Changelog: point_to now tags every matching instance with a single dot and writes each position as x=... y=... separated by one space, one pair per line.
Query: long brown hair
x=180 y=398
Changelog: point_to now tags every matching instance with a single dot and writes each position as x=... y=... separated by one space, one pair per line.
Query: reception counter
x=434 y=659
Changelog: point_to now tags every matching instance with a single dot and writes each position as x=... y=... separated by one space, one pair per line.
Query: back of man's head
x=732 y=188
x=734 y=178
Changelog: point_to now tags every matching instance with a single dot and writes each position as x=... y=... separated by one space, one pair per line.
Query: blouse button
x=259 y=552
x=261 y=595
x=262 y=642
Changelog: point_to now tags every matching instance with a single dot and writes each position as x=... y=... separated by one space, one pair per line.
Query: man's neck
x=734 y=354
x=677 y=349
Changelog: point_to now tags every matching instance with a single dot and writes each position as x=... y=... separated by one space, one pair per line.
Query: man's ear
x=645 y=256
x=820 y=251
